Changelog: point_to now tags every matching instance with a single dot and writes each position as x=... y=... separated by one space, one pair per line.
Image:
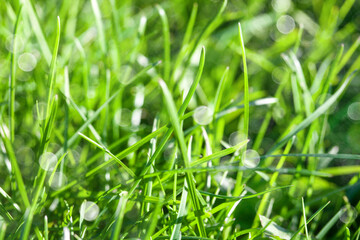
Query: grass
x=102 y=135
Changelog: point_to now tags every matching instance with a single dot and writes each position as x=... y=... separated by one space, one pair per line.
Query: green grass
x=110 y=93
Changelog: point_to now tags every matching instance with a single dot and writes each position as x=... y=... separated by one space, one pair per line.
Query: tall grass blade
x=170 y=105
x=166 y=39
x=13 y=59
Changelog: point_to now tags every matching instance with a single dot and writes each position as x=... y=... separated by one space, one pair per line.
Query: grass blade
x=166 y=37
x=53 y=66
x=99 y=25
x=317 y=113
x=219 y=154
x=245 y=129
x=103 y=148
x=310 y=219
x=15 y=167
x=170 y=105
x=120 y=212
x=176 y=233
x=13 y=59
x=36 y=27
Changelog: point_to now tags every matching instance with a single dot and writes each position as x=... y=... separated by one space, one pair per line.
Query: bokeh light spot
x=285 y=24
x=353 y=111
x=203 y=115
x=89 y=210
x=251 y=158
x=27 y=62
x=48 y=161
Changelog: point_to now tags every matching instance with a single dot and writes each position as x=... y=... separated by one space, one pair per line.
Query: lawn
x=216 y=119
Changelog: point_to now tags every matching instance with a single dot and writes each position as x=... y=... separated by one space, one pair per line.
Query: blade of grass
x=166 y=39
x=170 y=105
x=40 y=179
x=304 y=216
x=272 y=182
x=341 y=170
x=15 y=167
x=36 y=27
x=46 y=228
x=185 y=42
x=53 y=66
x=345 y=59
x=99 y=25
x=220 y=154
x=245 y=129
x=329 y=225
x=107 y=151
x=2 y=230
x=176 y=233
x=126 y=152
x=120 y=212
x=181 y=112
x=155 y=218
x=310 y=219
x=220 y=91
x=13 y=59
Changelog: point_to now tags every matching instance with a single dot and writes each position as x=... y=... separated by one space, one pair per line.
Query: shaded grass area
x=179 y=120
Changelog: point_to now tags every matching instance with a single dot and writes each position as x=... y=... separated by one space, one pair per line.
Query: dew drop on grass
x=348 y=214
x=236 y=138
x=203 y=115
x=251 y=158
x=353 y=111
x=27 y=62
x=281 y=6
x=89 y=210
x=122 y=117
x=285 y=24
x=58 y=180
x=48 y=161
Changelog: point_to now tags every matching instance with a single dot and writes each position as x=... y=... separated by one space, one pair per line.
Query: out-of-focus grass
x=144 y=119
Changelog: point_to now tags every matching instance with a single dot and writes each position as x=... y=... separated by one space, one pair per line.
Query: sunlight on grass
x=116 y=123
